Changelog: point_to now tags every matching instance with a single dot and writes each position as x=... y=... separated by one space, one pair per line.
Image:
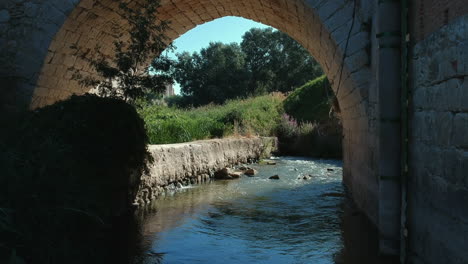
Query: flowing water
x=257 y=220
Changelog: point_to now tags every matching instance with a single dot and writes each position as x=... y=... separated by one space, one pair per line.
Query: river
x=258 y=220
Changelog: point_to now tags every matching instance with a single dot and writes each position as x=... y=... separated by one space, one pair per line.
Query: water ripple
x=254 y=220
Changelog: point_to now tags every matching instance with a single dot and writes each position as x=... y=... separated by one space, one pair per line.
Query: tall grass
x=257 y=116
x=321 y=140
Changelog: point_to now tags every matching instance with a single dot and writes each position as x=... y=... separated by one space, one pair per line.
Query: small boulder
x=236 y=174
x=307 y=177
x=250 y=172
x=330 y=170
x=224 y=174
x=221 y=174
x=271 y=163
x=274 y=177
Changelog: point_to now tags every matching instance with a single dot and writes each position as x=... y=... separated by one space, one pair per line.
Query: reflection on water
x=257 y=220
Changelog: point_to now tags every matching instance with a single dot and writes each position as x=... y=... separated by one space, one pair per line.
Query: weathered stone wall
x=195 y=162
x=438 y=190
x=427 y=16
x=26 y=30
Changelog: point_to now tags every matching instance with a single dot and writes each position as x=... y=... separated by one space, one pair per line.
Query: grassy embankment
x=310 y=129
x=247 y=117
x=301 y=121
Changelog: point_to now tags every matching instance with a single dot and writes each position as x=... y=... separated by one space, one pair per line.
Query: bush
x=253 y=116
x=309 y=139
x=307 y=129
x=179 y=101
x=66 y=173
x=310 y=102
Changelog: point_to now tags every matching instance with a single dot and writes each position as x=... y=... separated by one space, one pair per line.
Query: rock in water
x=250 y=172
x=227 y=174
x=271 y=163
x=236 y=174
x=330 y=170
x=274 y=177
x=222 y=174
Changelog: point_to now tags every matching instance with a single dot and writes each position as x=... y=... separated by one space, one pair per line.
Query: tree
x=214 y=75
x=276 y=61
x=266 y=61
x=130 y=72
x=257 y=46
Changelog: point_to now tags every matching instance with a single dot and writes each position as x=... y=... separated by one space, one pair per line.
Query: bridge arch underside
x=324 y=28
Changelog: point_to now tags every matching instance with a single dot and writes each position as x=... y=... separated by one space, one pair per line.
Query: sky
x=226 y=30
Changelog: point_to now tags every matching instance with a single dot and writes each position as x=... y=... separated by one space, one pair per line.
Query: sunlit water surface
x=251 y=220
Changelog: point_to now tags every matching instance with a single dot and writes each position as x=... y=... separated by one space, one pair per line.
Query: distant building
x=169 y=90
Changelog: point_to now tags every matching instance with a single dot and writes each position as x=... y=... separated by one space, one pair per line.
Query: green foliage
x=179 y=101
x=276 y=62
x=267 y=61
x=214 y=75
x=66 y=173
x=125 y=73
x=309 y=139
x=253 y=116
x=310 y=103
x=307 y=128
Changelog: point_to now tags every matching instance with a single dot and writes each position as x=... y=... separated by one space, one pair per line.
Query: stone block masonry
x=438 y=178
x=196 y=162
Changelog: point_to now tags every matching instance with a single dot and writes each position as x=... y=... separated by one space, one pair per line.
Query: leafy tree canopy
x=276 y=61
x=266 y=61
x=215 y=74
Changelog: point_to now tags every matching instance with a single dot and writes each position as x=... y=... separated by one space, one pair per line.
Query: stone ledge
x=195 y=162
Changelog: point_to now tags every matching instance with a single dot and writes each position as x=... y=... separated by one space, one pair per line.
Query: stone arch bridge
x=401 y=81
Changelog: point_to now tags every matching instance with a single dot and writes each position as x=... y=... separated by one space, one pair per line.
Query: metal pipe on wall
x=389 y=90
x=405 y=97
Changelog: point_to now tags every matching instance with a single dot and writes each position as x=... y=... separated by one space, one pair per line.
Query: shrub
x=310 y=102
x=66 y=173
x=307 y=129
x=179 y=101
x=309 y=139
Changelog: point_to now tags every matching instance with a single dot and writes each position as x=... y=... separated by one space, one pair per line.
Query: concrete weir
x=196 y=162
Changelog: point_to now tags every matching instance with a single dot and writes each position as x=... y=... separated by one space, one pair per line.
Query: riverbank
x=302 y=121
x=177 y=165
